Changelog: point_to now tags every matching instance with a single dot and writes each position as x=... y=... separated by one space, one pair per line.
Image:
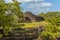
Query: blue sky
x=37 y=6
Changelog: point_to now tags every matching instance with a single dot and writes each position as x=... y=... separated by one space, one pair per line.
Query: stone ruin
x=24 y=34
x=29 y=17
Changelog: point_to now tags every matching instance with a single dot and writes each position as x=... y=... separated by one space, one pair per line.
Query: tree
x=10 y=13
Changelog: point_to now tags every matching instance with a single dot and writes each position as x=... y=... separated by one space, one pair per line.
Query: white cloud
x=8 y=1
x=29 y=0
x=45 y=4
x=37 y=5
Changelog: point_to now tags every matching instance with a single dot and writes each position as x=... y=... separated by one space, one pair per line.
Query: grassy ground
x=34 y=24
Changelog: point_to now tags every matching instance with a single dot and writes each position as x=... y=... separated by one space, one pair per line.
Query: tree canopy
x=10 y=14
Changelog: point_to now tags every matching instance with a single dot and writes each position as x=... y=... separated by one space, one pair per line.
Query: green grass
x=34 y=24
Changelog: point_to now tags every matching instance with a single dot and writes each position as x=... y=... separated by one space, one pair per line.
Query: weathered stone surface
x=29 y=17
x=28 y=34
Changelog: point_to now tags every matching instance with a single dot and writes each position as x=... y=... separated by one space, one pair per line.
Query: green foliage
x=11 y=17
x=52 y=30
x=53 y=17
x=10 y=14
